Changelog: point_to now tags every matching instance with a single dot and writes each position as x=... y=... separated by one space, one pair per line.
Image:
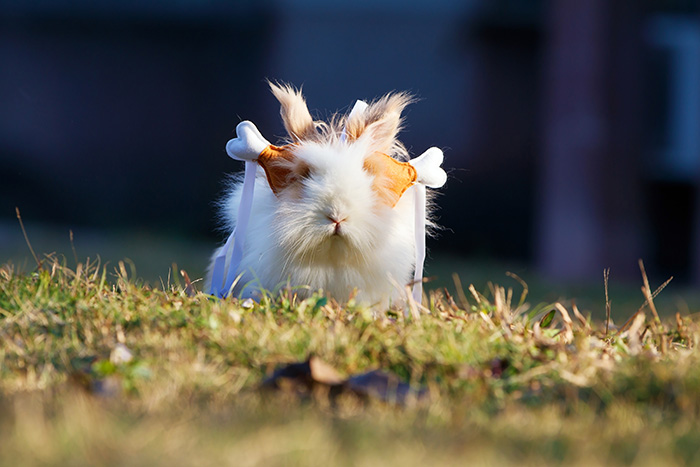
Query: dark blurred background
x=571 y=128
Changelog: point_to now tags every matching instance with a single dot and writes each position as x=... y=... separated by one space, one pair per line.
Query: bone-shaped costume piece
x=248 y=143
x=428 y=169
x=394 y=176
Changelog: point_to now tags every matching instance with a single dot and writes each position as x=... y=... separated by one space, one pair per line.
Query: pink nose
x=337 y=224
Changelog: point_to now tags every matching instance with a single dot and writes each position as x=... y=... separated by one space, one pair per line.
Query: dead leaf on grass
x=315 y=374
x=384 y=386
x=312 y=371
x=322 y=372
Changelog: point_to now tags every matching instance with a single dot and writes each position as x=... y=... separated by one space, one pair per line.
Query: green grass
x=507 y=383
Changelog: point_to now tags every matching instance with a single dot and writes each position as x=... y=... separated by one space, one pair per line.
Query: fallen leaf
x=314 y=373
x=384 y=386
x=322 y=372
x=302 y=374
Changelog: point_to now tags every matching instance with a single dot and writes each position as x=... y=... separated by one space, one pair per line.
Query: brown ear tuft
x=295 y=114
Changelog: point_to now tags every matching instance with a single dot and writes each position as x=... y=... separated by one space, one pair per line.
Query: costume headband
x=251 y=146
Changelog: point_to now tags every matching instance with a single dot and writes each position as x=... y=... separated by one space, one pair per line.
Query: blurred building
x=571 y=129
x=620 y=155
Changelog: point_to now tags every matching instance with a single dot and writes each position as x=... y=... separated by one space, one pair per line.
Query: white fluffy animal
x=331 y=210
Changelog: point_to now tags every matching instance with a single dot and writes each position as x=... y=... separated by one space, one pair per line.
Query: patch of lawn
x=99 y=368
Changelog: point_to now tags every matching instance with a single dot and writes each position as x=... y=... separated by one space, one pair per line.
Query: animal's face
x=337 y=182
x=330 y=209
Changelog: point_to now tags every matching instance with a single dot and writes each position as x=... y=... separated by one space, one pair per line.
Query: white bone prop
x=247 y=146
x=428 y=169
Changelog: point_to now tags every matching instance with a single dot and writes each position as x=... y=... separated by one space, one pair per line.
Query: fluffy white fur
x=290 y=236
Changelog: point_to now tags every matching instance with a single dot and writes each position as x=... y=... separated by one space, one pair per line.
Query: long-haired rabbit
x=336 y=209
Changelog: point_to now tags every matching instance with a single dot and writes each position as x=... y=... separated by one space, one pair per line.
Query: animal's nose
x=336 y=220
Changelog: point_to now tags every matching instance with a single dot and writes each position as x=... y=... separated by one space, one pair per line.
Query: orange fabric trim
x=277 y=174
x=391 y=177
